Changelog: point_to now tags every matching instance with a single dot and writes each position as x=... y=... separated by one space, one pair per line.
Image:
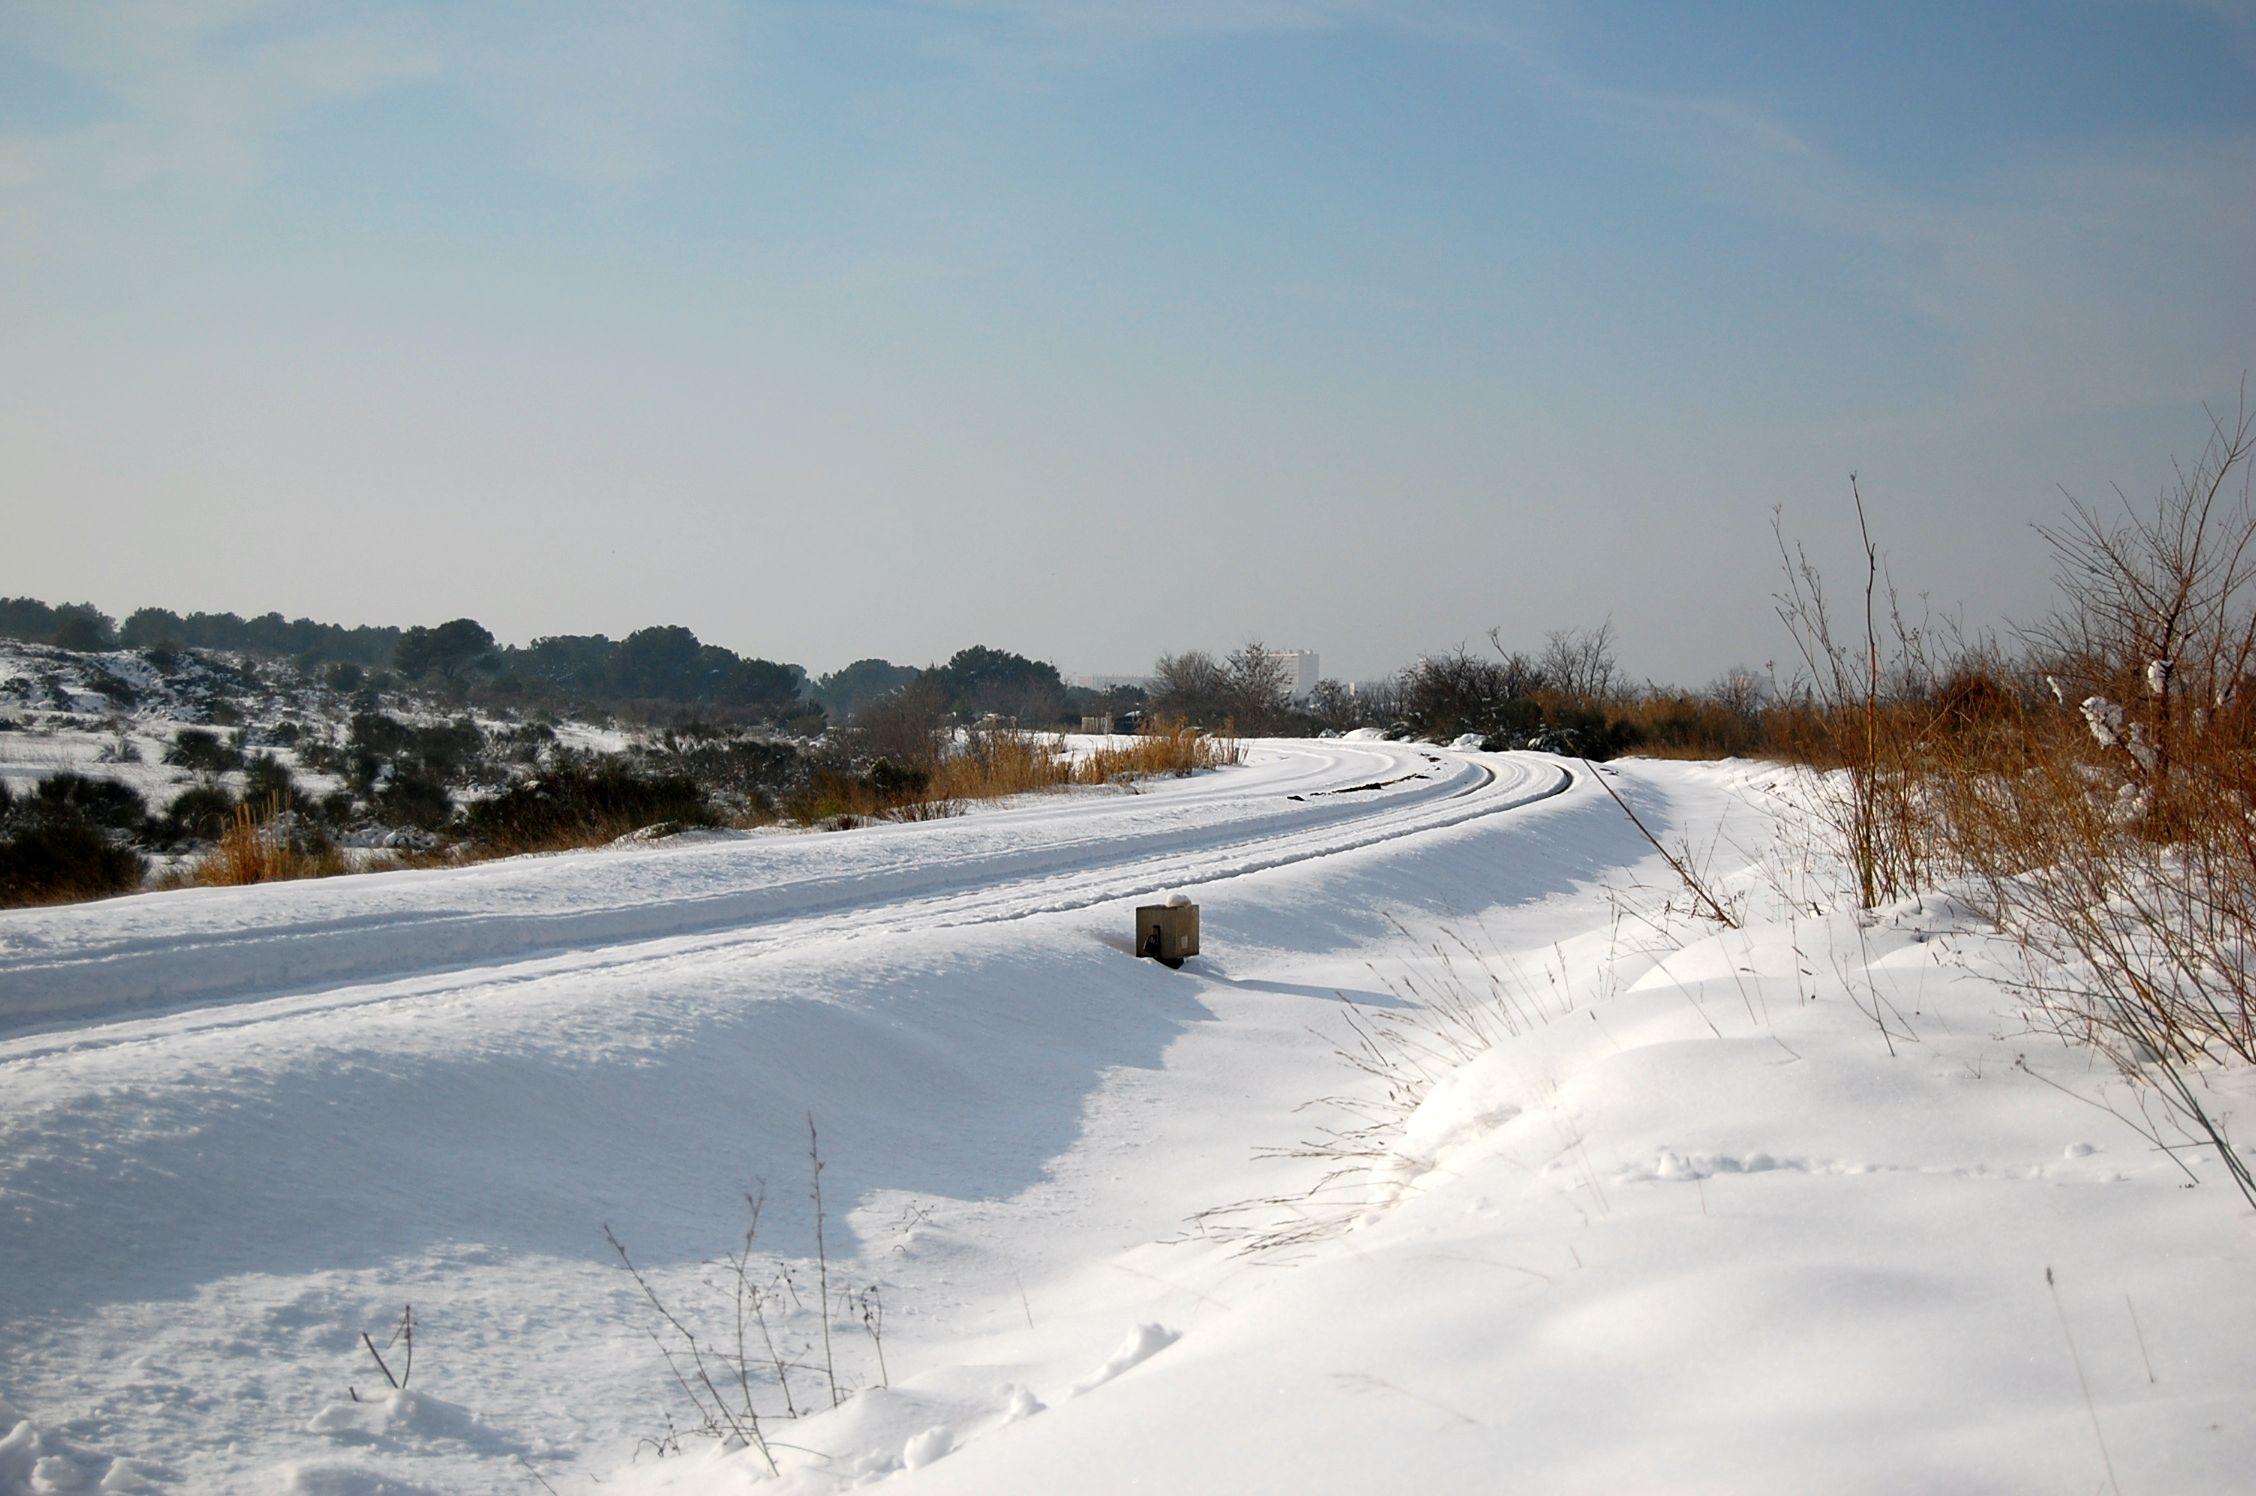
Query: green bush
x=415 y=797
x=203 y=750
x=199 y=813
x=449 y=749
x=1586 y=732
x=68 y=840
x=104 y=803
x=443 y=755
x=120 y=692
x=378 y=735
x=53 y=861
x=267 y=782
x=523 y=744
x=579 y=801
x=894 y=781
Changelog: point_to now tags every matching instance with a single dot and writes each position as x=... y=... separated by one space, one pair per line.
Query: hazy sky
x=1097 y=328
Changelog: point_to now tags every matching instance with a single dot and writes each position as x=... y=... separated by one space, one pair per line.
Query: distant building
x=1301 y=672
x=1111 y=682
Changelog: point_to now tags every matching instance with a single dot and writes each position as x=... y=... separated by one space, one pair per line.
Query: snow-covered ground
x=1800 y=1206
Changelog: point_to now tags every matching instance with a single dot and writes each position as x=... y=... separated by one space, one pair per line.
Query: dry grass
x=1863 y=714
x=989 y=763
x=1162 y=749
x=993 y=763
x=2131 y=893
x=1683 y=725
x=262 y=849
x=2101 y=791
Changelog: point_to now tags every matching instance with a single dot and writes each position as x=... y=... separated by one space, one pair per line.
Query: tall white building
x=1301 y=670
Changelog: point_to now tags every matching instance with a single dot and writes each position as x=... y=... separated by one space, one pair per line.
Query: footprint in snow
x=1143 y=1343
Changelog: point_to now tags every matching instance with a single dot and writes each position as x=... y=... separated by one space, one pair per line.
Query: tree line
x=1569 y=693
x=654 y=673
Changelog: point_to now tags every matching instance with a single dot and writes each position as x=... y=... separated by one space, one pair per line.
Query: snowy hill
x=1466 y=1157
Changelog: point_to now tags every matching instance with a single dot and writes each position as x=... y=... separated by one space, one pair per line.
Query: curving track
x=187 y=959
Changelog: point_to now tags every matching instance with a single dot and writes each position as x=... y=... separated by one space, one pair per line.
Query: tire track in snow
x=1052 y=878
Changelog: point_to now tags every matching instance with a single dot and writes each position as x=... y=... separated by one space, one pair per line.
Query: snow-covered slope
x=1769 y=1209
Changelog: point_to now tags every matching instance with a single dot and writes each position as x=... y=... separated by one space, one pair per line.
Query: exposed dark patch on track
x=1376 y=784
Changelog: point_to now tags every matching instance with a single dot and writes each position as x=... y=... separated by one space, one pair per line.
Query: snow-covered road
x=1289 y=802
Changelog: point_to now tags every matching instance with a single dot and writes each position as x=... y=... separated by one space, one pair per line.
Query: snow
x=1653 y=1204
x=1143 y=1343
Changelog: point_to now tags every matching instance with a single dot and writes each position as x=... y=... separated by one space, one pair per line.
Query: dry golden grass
x=1681 y=725
x=2137 y=865
x=1163 y=748
x=2102 y=794
x=993 y=762
x=261 y=849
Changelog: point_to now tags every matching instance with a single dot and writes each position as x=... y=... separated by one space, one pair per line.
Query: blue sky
x=1101 y=330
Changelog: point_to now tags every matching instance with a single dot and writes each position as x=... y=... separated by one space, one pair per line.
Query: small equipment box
x=1168 y=932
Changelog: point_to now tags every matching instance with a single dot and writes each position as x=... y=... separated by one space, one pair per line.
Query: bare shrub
x=2112 y=818
x=726 y=1364
x=1861 y=714
x=1579 y=664
x=2101 y=792
x=1192 y=685
x=1456 y=691
x=903 y=725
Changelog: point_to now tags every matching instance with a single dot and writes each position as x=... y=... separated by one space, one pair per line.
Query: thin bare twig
x=1691 y=881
